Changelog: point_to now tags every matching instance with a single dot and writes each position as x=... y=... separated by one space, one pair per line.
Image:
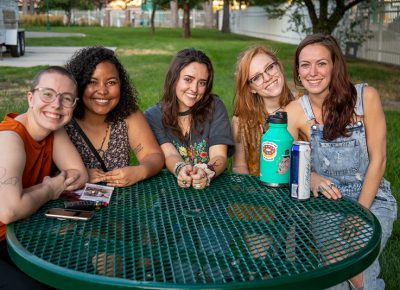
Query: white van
x=11 y=36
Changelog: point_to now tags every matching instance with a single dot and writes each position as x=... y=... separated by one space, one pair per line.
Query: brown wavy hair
x=338 y=106
x=201 y=111
x=250 y=108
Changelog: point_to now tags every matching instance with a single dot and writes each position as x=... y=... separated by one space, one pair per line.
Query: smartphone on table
x=62 y=213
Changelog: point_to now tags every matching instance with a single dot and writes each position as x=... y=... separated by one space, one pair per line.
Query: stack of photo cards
x=97 y=192
x=94 y=192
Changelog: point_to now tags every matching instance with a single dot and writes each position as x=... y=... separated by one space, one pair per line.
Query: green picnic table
x=235 y=234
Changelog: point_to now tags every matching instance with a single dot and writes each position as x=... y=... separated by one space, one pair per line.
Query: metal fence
x=131 y=17
x=379 y=19
x=383 y=20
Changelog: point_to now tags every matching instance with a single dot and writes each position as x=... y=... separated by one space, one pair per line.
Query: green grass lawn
x=146 y=58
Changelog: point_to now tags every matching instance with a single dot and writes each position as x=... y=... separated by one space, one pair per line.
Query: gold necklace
x=100 y=150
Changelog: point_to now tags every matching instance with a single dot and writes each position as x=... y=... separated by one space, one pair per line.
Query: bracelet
x=209 y=170
x=178 y=167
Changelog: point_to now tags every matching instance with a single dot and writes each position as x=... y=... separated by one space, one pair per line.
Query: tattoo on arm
x=5 y=180
x=137 y=149
x=213 y=166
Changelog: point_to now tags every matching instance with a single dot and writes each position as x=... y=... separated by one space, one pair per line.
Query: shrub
x=41 y=20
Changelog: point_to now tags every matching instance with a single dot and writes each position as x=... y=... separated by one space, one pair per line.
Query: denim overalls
x=344 y=161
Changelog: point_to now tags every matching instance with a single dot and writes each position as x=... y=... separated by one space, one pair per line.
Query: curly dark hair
x=201 y=111
x=338 y=106
x=82 y=65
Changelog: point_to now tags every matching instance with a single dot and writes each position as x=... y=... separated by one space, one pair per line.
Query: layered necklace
x=100 y=150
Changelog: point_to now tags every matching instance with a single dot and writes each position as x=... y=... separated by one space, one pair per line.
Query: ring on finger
x=198 y=185
x=331 y=185
x=184 y=182
x=321 y=189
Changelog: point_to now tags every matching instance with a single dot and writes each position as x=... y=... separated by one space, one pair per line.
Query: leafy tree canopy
x=68 y=5
x=324 y=14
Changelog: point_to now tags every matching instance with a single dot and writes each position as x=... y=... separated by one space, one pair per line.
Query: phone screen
x=62 y=213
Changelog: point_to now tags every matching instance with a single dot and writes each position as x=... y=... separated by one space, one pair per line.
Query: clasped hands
x=190 y=175
x=117 y=178
x=66 y=180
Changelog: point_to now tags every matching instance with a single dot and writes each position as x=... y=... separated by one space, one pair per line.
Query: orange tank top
x=38 y=156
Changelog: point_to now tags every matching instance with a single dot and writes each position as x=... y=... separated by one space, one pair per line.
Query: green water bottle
x=276 y=144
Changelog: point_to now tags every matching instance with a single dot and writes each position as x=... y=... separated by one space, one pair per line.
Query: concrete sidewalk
x=41 y=55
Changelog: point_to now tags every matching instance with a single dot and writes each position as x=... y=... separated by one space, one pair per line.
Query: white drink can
x=300 y=170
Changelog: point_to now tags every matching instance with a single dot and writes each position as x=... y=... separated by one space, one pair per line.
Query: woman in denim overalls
x=346 y=127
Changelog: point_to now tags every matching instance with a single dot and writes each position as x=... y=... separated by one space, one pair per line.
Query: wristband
x=178 y=167
x=209 y=170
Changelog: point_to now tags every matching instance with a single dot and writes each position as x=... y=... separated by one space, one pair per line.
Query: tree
x=208 y=14
x=225 y=18
x=67 y=6
x=324 y=14
x=186 y=19
x=173 y=4
x=186 y=5
x=155 y=4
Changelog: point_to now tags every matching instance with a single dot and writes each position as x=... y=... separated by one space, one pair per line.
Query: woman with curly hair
x=191 y=124
x=107 y=122
x=346 y=126
x=261 y=90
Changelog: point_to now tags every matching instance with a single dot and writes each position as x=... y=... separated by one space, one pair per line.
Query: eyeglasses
x=48 y=95
x=270 y=70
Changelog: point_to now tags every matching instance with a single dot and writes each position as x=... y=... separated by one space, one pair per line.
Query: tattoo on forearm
x=6 y=180
x=213 y=166
x=137 y=149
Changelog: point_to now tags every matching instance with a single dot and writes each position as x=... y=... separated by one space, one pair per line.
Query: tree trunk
x=153 y=14
x=32 y=8
x=127 y=18
x=174 y=13
x=225 y=18
x=68 y=14
x=208 y=14
x=186 y=19
x=25 y=7
x=107 y=18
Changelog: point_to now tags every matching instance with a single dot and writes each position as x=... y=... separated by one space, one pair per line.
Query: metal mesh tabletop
x=234 y=234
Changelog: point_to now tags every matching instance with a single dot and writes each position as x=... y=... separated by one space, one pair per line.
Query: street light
x=48 y=17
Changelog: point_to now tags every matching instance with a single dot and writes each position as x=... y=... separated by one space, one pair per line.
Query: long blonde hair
x=250 y=108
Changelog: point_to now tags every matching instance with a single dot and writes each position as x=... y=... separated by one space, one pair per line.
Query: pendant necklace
x=100 y=150
x=187 y=131
x=273 y=112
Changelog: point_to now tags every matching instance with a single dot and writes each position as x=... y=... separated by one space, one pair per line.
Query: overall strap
x=90 y=145
x=305 y=103
x=359 y=108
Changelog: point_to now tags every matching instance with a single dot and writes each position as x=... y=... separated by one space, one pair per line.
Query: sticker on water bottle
x=269 y=150
x=284 y=164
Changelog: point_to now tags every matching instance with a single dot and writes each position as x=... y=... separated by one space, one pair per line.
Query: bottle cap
x=278 y=118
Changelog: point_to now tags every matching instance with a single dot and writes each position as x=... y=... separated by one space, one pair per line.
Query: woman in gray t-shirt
x=190 y=123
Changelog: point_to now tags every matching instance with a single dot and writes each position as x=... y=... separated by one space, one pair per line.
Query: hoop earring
x=298 y=77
